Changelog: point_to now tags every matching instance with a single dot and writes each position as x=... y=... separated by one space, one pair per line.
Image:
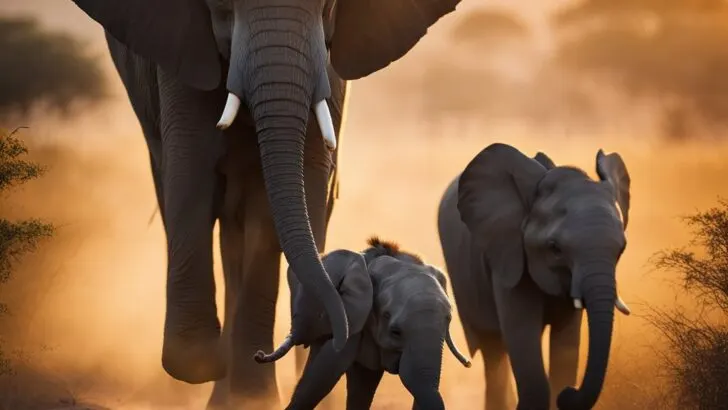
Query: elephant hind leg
x=499 y=392
x=251 y=258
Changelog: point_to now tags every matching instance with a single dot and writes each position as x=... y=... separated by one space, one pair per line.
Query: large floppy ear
x=349 y=273
x=371 y=34
x=611 y=168
x=495 y=194
x=544 y=160
x=175 y=34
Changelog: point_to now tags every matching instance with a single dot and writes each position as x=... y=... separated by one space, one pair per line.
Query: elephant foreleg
x=521 y=317
x=191 y=148
x=564 y=351
x=361 y=385
x=323 y=370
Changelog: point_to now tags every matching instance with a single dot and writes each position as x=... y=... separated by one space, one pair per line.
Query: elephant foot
x=193 y=362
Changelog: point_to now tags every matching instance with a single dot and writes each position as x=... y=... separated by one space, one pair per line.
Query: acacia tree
x=669 y=52
x=39 y=66
x=19 y=237
x=697 y=354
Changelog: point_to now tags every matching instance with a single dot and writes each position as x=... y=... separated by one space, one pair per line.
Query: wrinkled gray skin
x=399 y=315
x=521 y=238
x=178 y=60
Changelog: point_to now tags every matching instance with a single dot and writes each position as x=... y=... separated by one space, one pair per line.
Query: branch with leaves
x=697 y=355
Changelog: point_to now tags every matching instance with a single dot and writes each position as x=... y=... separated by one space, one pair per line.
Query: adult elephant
x=280 y=60
x=522 y=238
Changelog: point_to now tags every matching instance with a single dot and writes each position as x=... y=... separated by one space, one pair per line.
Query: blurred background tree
x=42 y=67
x=670 y=53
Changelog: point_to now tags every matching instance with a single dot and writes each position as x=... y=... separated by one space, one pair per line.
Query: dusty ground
x=91 y=301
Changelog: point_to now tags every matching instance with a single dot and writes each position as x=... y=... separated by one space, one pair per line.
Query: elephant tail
x=282 y=350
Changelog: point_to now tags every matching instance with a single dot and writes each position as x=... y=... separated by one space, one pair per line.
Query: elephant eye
x=395 y=332
x=386 y=316
x=554 y=247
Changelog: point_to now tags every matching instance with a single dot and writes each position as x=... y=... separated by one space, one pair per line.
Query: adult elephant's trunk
x=599 y=291
x=419 y=370
x=278 y=67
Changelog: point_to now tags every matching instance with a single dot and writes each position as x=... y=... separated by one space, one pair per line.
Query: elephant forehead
x=571 y=196
x=384 y=265
x=418 y=290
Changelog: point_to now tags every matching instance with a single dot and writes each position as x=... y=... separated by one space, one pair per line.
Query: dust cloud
x=87 y=308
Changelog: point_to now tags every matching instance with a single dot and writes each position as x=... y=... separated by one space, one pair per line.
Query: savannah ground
x=87 y=309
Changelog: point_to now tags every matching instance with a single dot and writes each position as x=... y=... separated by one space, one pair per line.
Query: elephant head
x=410 y=321
x=272 y=55
x=349 y=274
x=570 y=229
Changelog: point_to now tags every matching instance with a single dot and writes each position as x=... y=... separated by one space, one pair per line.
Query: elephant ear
x=495 y=194
x=612 y=169
x=371 y=34
x=175 y=34
x=348 y=271
x=544 y=160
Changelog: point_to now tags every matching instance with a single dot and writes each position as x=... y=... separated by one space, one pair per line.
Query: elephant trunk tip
x=261 y=357
x=232 y=106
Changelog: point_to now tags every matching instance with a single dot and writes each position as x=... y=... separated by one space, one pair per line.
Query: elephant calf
x=399 y=316
x=528 y=244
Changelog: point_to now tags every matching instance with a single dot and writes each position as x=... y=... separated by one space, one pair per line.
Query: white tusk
x=323 y=116
x=578 y=304
x=231 y=110
x=621 y=306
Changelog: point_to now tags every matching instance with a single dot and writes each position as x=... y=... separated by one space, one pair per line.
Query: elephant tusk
x=621 y=306
x=323 y=116
x=578 y=304
x=230 y=112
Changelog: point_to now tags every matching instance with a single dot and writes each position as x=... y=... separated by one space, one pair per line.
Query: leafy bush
x=697 y=355
x=16 y=238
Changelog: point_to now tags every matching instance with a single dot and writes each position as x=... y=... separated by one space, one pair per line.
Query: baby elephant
x=399 y=317
x=528 y=244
